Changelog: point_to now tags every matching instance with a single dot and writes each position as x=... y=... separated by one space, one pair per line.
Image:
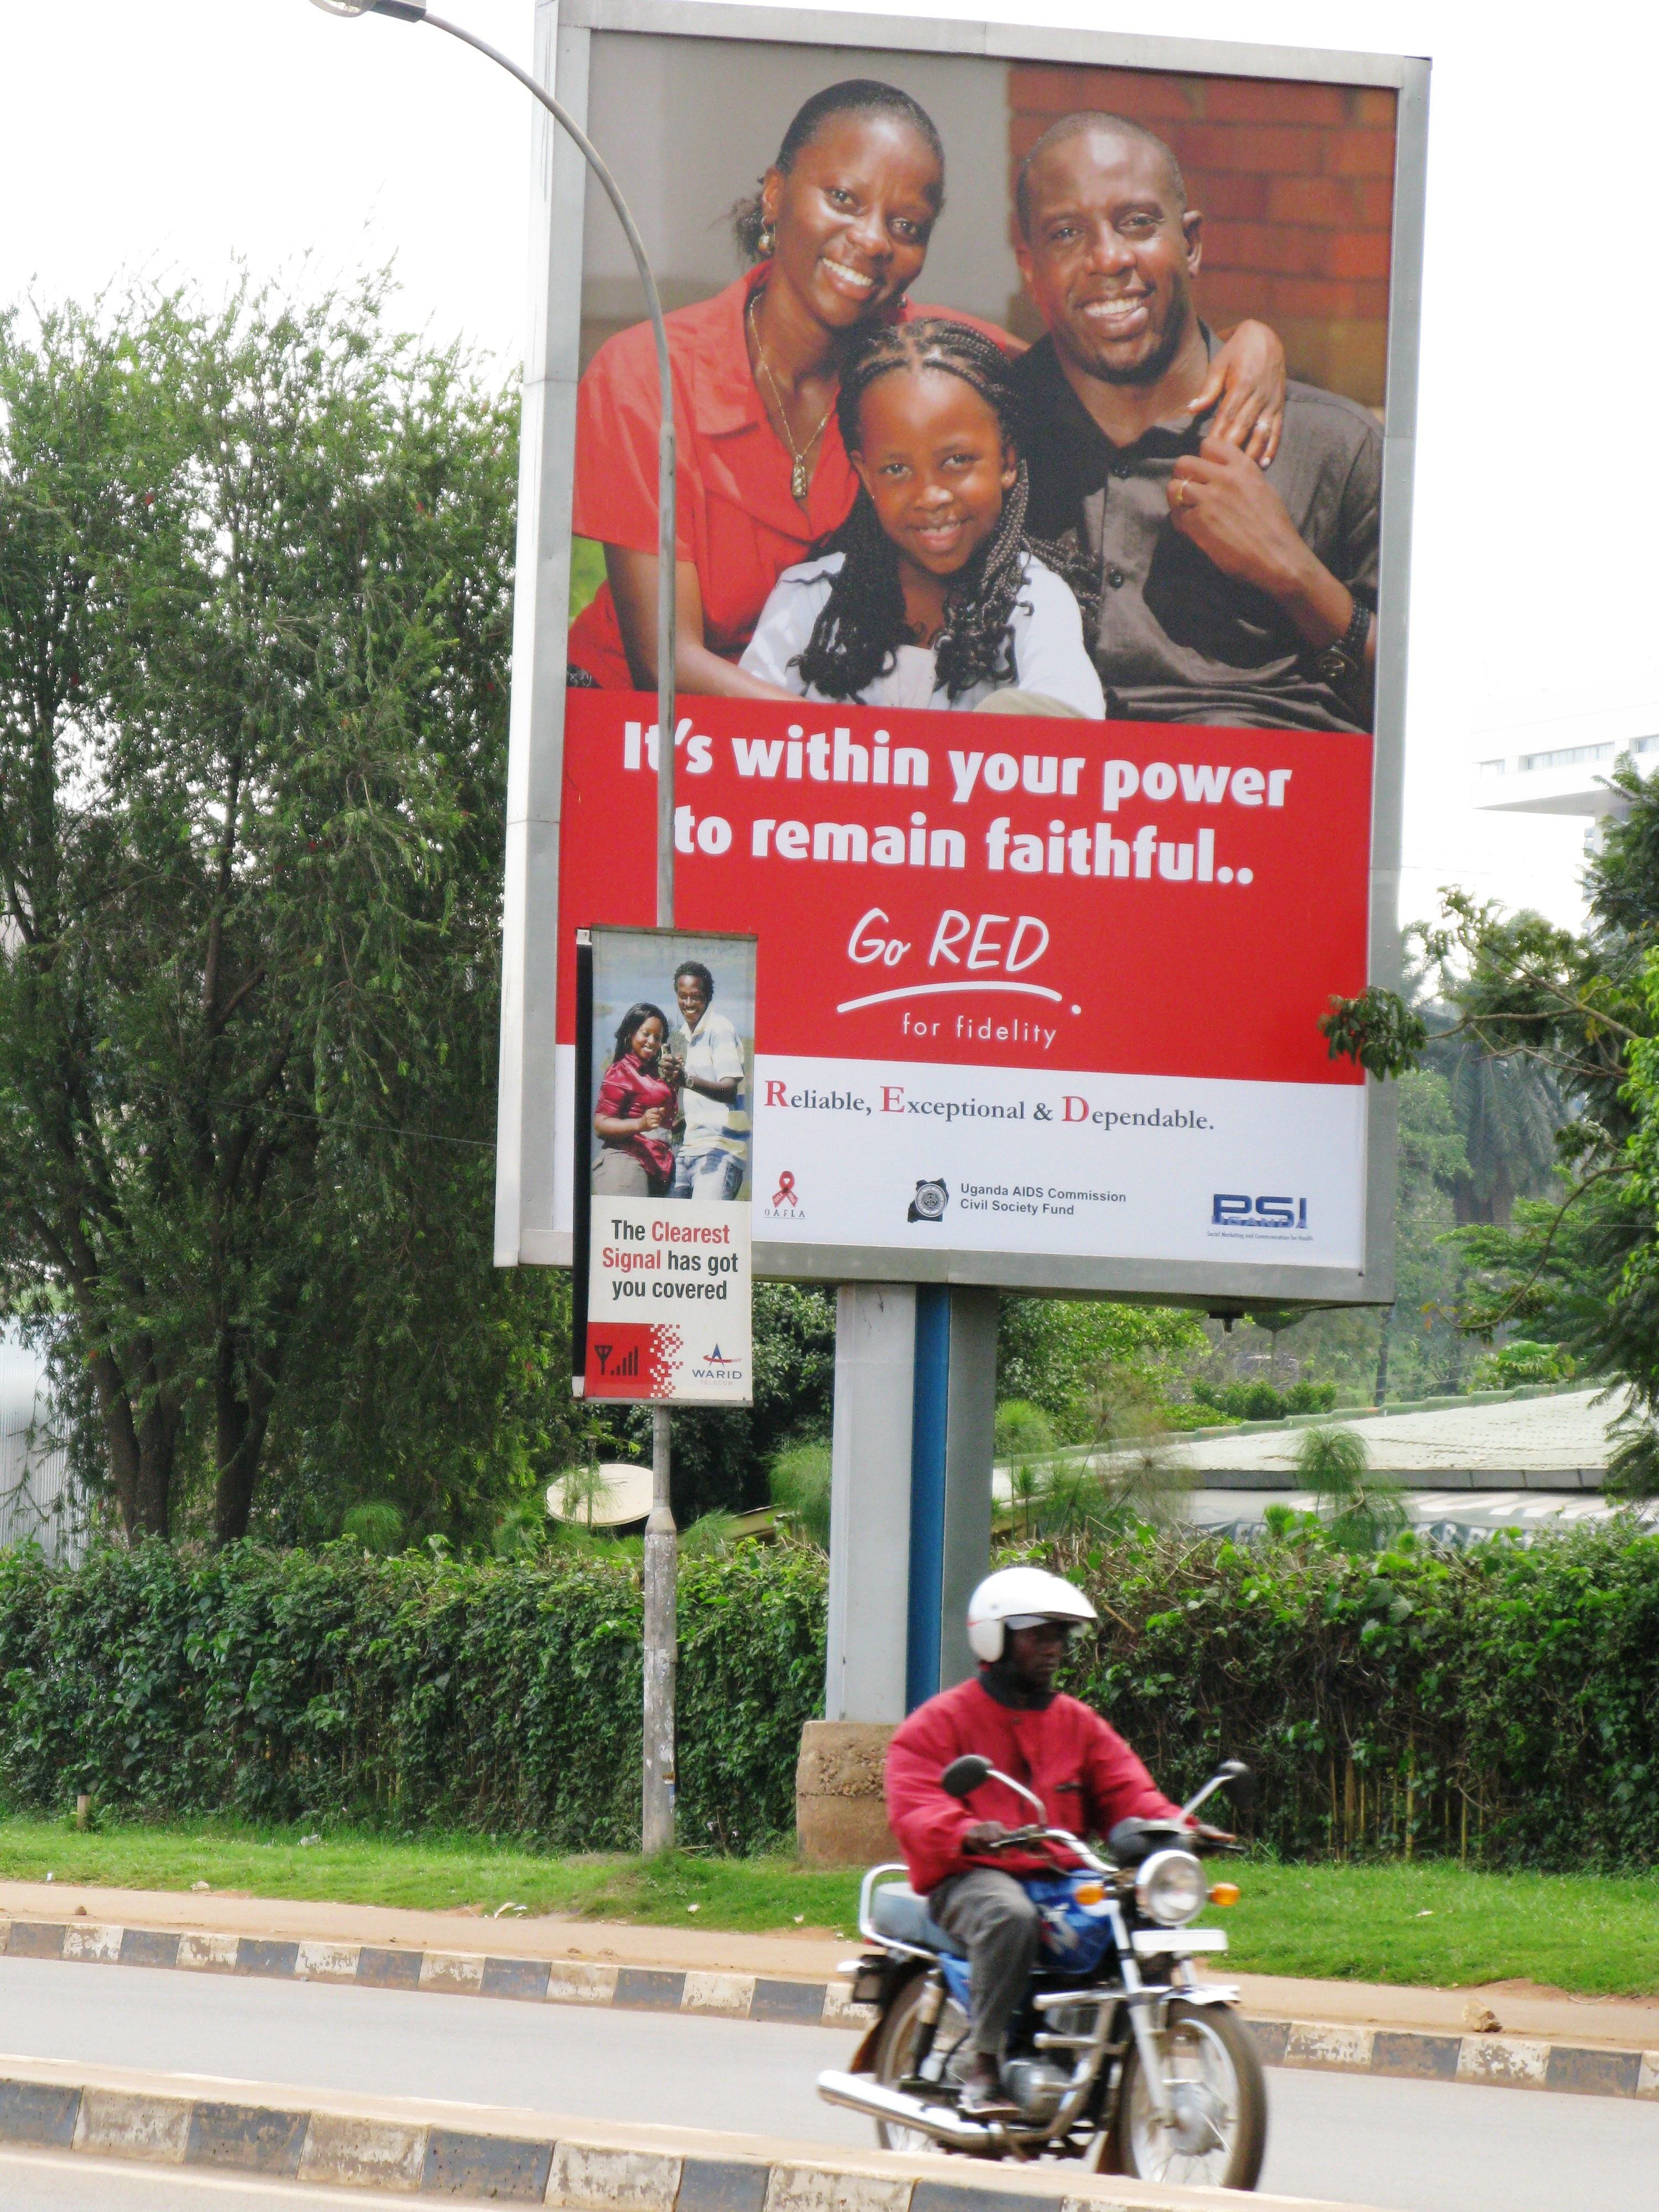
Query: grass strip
x=1429 y=1923
x=433 y=1874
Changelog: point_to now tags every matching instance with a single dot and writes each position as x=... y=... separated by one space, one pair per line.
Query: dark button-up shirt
x=1178 y=642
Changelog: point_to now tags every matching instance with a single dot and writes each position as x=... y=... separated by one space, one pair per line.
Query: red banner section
x=632 y=1360
x=987 y=891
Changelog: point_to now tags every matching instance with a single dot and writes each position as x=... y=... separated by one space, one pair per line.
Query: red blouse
x=736 y=522
x=628 y=1091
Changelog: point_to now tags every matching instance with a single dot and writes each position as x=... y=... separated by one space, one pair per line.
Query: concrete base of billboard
x=840 y=1818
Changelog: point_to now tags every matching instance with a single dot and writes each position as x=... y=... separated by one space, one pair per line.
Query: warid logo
x=1231 y=1209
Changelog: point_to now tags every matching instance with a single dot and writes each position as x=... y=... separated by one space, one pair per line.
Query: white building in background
x=1564 y=779
x=38 y=1499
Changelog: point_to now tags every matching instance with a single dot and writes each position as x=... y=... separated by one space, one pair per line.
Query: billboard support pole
x=662 y=1538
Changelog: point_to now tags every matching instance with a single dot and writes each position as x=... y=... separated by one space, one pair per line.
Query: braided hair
x=861 y=625
x=857 y=95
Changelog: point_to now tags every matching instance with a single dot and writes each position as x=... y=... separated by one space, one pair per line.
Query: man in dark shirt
x=1230 y=594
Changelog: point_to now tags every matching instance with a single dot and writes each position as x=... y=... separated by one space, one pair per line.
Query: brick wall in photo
x=1295 y=183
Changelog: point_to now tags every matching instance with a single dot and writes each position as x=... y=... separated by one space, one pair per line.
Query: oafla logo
x=788 y=1205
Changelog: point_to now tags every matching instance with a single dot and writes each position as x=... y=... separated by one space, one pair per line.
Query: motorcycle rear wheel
x=895 y=2060
x=1213 y=2076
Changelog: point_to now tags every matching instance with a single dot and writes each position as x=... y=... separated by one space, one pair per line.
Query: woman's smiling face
x=852 y=217
x=646 y=1043
x=933 y=459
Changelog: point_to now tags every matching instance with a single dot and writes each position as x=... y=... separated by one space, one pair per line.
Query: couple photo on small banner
x=661 y=1188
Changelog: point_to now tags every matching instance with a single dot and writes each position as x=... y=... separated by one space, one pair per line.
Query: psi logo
x=1231 y=1209
x=929 y=1202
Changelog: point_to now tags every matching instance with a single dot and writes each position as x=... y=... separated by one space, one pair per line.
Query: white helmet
x=1019 y=1597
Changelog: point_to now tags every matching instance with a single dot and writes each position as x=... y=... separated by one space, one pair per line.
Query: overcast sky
x=172 y=137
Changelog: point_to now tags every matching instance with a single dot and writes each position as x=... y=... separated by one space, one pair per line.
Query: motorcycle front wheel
x=896 y=2060
x=1218 y=2135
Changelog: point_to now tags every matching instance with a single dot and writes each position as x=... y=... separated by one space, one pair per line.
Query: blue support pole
x=930 y=1427
x=952 y=1415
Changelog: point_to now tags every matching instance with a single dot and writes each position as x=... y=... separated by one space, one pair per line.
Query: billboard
x=660 y=1192
x=1044 y=405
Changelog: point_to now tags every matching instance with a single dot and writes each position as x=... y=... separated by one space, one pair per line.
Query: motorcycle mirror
x=1241 y=1783
x=964 y=1776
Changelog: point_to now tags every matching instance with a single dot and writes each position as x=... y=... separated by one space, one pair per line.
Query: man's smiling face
x=1110 y=254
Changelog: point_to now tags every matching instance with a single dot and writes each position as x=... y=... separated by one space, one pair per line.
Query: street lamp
x=416 y=11
x=661 y=1539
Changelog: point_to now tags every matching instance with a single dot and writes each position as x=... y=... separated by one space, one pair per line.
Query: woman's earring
x=766 y=241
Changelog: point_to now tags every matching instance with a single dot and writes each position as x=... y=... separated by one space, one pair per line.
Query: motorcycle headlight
x=1171 y=1888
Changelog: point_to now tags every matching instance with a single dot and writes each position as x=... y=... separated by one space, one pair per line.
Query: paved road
x=1408 y=2146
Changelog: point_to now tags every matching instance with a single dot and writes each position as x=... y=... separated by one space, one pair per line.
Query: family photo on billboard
x=1071 y=388
x=1130 y=508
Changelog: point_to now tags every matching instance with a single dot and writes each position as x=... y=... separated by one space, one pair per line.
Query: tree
x=1583 y=1009
x=1070 y=1357
x=255 y=575
x=721 y=1458
x=1362 y=1511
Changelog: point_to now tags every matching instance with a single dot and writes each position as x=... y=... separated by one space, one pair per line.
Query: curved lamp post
x=661 y=1539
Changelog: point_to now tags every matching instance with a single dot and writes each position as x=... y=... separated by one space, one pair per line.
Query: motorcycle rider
x=1019 y=1624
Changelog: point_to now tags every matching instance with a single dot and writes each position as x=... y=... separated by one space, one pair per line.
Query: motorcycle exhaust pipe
x=862 y=2093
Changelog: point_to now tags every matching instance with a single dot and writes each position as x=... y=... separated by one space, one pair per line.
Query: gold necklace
x=799 y=454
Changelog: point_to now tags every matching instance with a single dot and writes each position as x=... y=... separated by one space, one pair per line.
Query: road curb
x=1509 y=2062
x=453 y=1973
x=397 y=2146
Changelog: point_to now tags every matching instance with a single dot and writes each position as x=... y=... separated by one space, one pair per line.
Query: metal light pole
x=662 y=1538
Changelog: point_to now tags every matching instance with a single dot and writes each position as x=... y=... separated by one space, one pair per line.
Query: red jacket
x=1087 y=1776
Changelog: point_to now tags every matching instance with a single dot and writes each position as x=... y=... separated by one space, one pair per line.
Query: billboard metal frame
x=528 y=1166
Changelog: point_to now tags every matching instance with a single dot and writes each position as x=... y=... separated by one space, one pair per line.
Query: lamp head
x=406 y=11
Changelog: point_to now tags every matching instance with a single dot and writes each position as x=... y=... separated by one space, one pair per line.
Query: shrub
x=1263 y=1402
x=799 y=1480
x=1521 y=1362
x=502 y=1696
x=1501 y=1703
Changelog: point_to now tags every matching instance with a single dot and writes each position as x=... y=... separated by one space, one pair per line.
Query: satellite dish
x=621 y=1492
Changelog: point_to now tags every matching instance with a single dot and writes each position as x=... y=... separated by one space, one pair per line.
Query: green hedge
x=1502 y=1703
x=405 y=1693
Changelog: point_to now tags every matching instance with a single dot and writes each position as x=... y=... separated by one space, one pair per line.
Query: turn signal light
x=1089 y=1892
x=1223 y=1893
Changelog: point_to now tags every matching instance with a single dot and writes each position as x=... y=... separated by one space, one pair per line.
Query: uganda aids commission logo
x=930 y=1201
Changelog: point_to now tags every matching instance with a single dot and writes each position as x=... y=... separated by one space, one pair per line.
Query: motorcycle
x=1117 y=2047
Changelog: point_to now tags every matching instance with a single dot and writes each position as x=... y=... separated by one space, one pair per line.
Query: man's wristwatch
x=1343 y=661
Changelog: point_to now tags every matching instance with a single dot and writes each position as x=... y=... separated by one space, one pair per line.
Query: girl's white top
x=1046 y=627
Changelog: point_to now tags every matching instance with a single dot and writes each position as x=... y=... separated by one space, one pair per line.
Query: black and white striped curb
x=1505 y=2062
x=453 y=1973
x=1509 y=2062
x=413 y=2156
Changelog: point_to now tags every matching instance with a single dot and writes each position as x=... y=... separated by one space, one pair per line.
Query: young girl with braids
x=931 y=593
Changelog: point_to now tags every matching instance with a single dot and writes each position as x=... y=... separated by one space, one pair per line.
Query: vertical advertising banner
x=662 y=1181
x=1045 y=430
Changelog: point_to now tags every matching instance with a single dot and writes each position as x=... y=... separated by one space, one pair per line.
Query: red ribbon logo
x=785 y=1193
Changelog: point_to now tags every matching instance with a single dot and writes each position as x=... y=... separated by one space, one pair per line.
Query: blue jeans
x=713 y=1173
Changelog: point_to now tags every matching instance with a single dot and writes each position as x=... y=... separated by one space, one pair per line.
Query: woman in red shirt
x=838 y=232
x=635 y=1112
